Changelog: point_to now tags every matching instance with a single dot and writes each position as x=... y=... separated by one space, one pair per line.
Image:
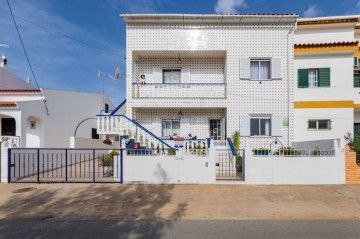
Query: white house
x=208 y=76
x=23 y=113
x=326 y=92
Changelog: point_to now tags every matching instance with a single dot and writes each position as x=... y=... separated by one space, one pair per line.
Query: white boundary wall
x=295 y=170
x=163 y=169
x=76 y=142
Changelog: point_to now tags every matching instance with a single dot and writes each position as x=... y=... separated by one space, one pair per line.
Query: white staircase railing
x=123 y=125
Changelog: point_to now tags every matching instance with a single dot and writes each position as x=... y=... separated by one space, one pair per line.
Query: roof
x=329 y=44
x=7 y=103
x=210 y=18
x=19 y=90
x=329 y=20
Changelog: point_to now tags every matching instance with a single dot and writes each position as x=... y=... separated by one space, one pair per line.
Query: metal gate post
x=38 y=165
x=9 y=165
x=121 y=166
x=93 y=165
x=243 y=165
x=66 y=165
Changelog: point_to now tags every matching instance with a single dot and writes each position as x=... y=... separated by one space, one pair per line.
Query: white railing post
x=112 y=123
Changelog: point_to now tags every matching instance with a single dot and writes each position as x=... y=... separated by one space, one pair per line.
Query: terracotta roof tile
x=20 y=90
x=344 y=43
x=7 y=103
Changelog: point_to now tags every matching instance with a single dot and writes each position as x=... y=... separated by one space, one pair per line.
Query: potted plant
x=349 y=140
x=261 y=151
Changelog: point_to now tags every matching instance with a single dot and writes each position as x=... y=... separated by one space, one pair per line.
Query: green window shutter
x=324 y=77
x=303 y=78
x=356 y=80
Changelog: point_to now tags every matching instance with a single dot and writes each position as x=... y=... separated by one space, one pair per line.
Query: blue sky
x=68 y=41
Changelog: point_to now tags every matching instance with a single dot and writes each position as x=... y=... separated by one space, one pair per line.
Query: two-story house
x=327 y=96
x=208 y=76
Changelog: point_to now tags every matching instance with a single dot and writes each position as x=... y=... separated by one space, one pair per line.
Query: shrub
x=236 y=140
x=172 y=151
x=356 y=147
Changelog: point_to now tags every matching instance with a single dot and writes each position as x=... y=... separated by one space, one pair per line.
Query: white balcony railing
x=122 y=125
x=10 y=141
x=179 y=90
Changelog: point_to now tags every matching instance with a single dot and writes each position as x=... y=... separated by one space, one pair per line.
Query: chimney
x=3 y=61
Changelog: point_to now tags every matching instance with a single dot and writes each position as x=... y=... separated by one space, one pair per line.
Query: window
x=319 y=77
x=171 y=76
x=356 y=78
x=356 y=61
x=32 y=124
x=94 y=134
x=319 y=124
x=170 y=127
x=260 y=126
x=313 y=78
x=106 y=108
x=260 y=70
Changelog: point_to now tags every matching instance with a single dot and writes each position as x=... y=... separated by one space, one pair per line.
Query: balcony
x=179 y=90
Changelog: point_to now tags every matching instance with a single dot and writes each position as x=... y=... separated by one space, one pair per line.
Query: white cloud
x=229 y=6
x=312 y=11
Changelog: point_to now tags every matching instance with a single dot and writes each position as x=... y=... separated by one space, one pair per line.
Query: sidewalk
x=178 y=202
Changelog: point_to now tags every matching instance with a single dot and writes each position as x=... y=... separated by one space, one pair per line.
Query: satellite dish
x=117 y=73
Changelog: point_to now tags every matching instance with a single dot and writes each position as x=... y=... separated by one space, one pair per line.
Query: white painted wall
x=295 y=170
x=91 y=143
x=324 y=33
x=341 y=123
x=67 y=109
x=341 y=77
x=169 y=169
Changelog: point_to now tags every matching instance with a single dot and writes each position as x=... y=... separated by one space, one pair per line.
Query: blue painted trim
x=142 y=127
x=184 y=139
x=138 y=83
x=231 y=145
x=117 y=108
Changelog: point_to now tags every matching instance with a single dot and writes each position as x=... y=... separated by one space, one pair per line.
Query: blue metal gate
x=65 y=165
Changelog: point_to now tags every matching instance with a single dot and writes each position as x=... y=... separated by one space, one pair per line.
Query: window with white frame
x=260 y=69
x=171 y=76
x=170 y=127
x=319 y=124
x=260 y=126
x=313 y=78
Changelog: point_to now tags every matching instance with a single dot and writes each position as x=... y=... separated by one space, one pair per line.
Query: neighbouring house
x=23 y=114
x=326 y=93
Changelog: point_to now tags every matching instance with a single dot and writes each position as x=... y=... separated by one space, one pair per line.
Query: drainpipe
x=288 y=78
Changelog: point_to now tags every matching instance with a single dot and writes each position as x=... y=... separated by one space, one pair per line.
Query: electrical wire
x=62 y=34
x=28 y=60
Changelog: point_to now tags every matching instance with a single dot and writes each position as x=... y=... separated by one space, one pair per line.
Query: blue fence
x=63 y=165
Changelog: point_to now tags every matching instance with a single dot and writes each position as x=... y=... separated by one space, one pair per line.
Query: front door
x=215 y=129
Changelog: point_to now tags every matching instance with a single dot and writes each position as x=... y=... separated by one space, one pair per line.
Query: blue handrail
x=142 y=127
x=231 y=145
x=117 y=108
x=209 y=83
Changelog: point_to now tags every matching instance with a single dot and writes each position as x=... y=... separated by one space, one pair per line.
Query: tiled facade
x=213 y=52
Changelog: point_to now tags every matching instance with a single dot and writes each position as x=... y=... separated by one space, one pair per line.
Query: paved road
x=49 y=228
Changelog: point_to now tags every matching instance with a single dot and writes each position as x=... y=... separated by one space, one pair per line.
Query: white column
x=4 y=162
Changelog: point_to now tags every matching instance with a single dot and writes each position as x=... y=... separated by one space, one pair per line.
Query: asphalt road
x=53 y=228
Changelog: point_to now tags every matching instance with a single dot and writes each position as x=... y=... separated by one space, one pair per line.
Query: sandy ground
x=179 y=202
